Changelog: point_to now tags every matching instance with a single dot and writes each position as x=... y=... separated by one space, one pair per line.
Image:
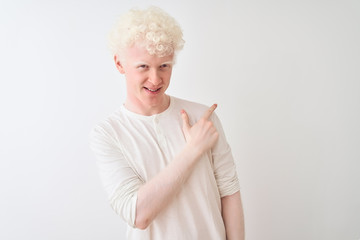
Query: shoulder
x=189 y=106
x=108 y=126
x=194 y=110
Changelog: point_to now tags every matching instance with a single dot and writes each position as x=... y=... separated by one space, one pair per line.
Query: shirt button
x=156 y=120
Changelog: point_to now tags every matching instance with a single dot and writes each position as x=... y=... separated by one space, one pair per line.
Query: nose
x=154 y=77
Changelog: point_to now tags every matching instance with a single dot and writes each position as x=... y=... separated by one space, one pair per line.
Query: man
x=164 y=162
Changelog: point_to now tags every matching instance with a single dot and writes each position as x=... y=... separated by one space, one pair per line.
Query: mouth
x=152 y=90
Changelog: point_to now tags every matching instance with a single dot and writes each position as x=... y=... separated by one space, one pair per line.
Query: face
x=147 y=78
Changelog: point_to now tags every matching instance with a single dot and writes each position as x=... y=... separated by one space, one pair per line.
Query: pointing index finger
x=208 y=112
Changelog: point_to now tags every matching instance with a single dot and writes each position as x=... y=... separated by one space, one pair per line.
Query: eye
x=165 y=66
x=142 y=66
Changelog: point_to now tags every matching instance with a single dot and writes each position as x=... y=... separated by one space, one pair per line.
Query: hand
x=203 y=135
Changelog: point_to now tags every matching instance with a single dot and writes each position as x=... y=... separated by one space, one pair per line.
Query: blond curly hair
x=151 y=28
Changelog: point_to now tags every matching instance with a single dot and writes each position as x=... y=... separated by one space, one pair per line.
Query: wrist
x=192 y=151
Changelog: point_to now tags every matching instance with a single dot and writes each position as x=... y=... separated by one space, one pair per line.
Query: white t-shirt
x=132 y=148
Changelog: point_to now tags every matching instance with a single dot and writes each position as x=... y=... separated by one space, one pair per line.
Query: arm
x=159 y=191
x=233 y=216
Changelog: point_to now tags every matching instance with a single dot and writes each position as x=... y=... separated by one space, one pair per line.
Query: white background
x=285 y=75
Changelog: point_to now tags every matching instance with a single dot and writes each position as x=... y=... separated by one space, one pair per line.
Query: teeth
x=152 y=90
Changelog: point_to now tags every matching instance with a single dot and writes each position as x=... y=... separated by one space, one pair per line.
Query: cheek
x=167 y=76
x=135 y=78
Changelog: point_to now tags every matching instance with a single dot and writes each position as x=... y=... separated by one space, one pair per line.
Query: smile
x=152 y=90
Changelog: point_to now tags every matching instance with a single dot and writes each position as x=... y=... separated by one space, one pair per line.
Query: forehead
x=138 y=53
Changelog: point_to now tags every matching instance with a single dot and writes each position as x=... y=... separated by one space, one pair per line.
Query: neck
x=141 y=108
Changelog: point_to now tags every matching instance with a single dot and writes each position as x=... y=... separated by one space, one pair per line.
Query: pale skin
x=147 y=79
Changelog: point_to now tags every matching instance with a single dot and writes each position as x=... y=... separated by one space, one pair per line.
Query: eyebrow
x=145 y=63
x=140 y=63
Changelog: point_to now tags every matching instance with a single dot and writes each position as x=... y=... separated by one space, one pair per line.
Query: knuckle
x=210 y=125
x=207 y=124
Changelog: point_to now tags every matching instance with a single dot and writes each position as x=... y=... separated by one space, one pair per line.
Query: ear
x=118 y=64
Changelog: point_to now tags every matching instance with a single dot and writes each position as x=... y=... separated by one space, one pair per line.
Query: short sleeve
x=120 y=181
x=224 y=165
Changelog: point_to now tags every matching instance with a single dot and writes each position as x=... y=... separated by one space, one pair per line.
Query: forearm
x=233 y=216
x=157 y=193
x=160 y=190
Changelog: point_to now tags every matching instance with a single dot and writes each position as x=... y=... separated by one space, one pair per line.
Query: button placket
x=159 y=133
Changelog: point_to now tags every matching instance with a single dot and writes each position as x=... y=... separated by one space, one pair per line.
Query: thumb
x=185 y=119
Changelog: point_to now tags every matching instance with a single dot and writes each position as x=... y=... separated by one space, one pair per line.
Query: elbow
x=142 y=222
x=141 y=225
